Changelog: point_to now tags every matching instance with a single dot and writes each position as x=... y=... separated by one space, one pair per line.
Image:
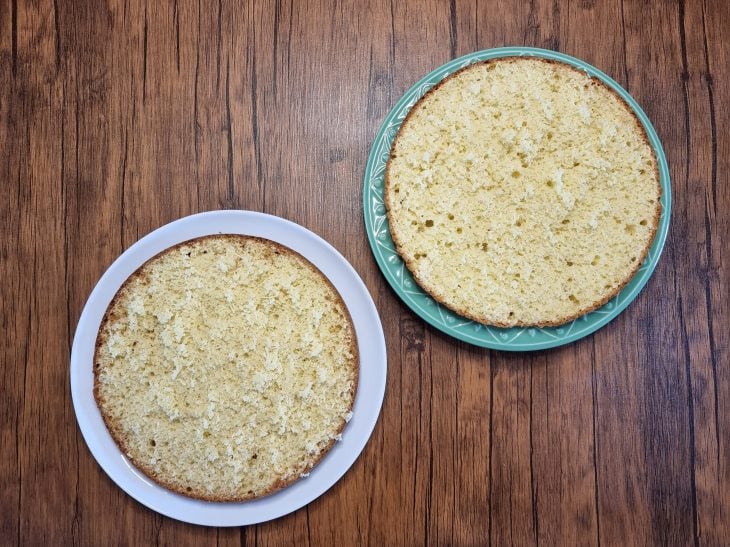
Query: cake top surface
x=226 y=367
x=522 y=192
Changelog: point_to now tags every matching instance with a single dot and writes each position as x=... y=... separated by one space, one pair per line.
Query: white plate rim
x=368 y=400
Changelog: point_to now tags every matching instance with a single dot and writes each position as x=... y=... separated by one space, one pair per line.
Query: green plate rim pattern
x=440 y=317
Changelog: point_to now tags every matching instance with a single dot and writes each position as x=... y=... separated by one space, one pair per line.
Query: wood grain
x=118 y=117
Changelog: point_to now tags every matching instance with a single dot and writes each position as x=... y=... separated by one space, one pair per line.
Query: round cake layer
x=226 y=367
x=522 y=192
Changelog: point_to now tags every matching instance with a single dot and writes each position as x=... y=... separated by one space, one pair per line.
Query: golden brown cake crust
x=481 y=318
x=119 y=436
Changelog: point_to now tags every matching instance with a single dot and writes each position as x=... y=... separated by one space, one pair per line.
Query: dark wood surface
x=118 y=117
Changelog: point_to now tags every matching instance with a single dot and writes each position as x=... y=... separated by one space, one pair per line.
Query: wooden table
x=118 y=117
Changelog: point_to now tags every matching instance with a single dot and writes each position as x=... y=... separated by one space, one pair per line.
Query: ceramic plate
x=368 y=400
x=394 y=270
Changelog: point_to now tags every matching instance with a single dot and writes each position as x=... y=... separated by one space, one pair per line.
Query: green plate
x=394 y=270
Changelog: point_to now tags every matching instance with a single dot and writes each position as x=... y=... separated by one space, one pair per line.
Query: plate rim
x=335 y=463
x=613 y=307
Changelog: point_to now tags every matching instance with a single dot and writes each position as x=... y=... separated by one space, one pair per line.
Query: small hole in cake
x=451 y=217
x=253 y=457
x=643 y=222
x=576 y=163
x=485 y=246
x=566 y=221
x=205 y=252
x=630 y=229
x=573 y=299
x=569 y=263
x=206 y=434
x=607 y=286
x=429 y=223
x=397 y=190
x=152 y=442
x=633 y=259
x=642 y=171
x=515 y=174
x=459 y=230
x=524 y=124
x=550 y=184
x=517 y=276
x=549 y=135
x=188 y=489
x=187 y=254
x=413 y=223
x=519 y=222
x=595 y=260
x=511 y=314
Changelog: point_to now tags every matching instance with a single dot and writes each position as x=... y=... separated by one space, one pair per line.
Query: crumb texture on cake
x=226 y=367
x=522 y=192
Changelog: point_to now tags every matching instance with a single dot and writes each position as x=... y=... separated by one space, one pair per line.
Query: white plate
x=368 y=400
